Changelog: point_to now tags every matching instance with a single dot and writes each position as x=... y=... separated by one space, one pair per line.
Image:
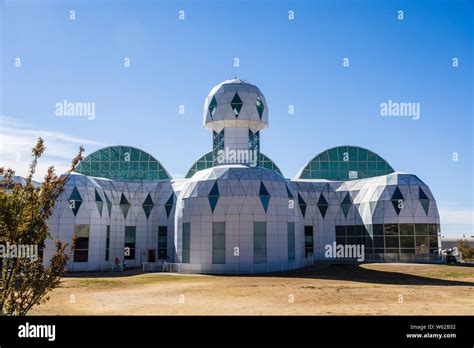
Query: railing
x=467 y=261
x=163 y=266
x=171 y=267
x=406 y=258
x=236 y=268
x=250 y=268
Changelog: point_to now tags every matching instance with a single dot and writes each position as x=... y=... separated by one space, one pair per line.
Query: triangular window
x=236 y=104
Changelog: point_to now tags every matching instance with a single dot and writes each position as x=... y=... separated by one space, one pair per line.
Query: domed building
x=234 y=212
x=236 y=219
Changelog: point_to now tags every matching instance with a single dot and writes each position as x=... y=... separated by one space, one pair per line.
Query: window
x=109 y=203
x=422 y=241
x=391 y=230
x=291 y=241
x=259 y=242
x=264 y=196
x=186 y=242
x=130 y=237
x=254 y=146
x=379 y=243
x=162 y=242
x=391 y=242
x=213 y=196
x=433 y=242
x=218 y=242
x=75 y=201
x=351 y=230
x=378 y=229
x=433 y=229
x=407 y=230
x=421 y=229
x=291 y=201
x=322 y=205
x=236 y=104
x=346 y=163
x=308 y=241
x=407 y=242
x=265 y=162
x=121 y=162
x=107 y=243
x=124 y=205
x=217 y=145
x=169 y=205
x=207 y=161
x=397 y=200
x=362 y=231
x=81 y=246
x=346 y=204
x=424 y=200
x=212 y=106
x=369 y=241
x=148 y=206
x=341 y=235
x=260 y=107
x=302 y=204
x=99 y=203
x=151 y=255
x=340 y=231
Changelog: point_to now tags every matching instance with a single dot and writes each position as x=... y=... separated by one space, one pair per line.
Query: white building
x=235 y=212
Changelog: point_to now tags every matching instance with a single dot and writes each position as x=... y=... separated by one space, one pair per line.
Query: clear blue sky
x=295 y=62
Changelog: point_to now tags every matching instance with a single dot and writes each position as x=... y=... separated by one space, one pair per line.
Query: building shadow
x=343 y=272
x=356 y=273
x=97 y=274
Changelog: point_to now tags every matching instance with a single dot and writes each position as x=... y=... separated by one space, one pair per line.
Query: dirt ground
x=369 y=289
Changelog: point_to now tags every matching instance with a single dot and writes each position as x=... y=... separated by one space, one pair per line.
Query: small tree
x=24 y=211
x=465 y=249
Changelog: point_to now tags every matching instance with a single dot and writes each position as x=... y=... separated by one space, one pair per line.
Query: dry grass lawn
x=369 y=289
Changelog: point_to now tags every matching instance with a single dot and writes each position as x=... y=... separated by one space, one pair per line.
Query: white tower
x=235 y=111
